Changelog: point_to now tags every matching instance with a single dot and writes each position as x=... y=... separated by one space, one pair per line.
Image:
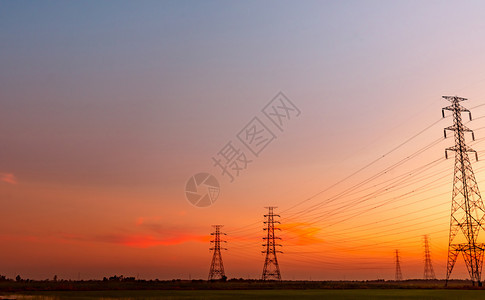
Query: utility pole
x=216 y=271
x=428 y=267
x=398 y=267
x=467 y=210
x=271 y=269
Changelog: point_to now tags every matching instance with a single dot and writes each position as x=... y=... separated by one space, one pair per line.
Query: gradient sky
x=107 y=108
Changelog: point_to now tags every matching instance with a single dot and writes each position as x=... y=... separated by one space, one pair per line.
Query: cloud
x=8 y=178
x=145 y=232
x=19 y=238
x=301 y=233
x=145 y=241
x=142 y=239
x=156 y=226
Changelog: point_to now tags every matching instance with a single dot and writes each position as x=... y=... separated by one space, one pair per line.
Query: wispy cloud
x=144 y=241
x=8 y=178
x=138 y=240
x=301 y=233
x=145 y=234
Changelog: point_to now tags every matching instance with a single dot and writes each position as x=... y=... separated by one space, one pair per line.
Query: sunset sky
x=107 y=108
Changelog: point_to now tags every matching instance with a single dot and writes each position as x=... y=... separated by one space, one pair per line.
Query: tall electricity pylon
x=467 y=210
x=398 y=267
x=271 y=269
x=428 y=267
x=217 y=268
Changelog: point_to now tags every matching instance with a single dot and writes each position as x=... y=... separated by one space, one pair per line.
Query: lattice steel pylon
x=271 y=269
x=428 y=267
x=467 y=210
x=216 y=271
x=398 y=276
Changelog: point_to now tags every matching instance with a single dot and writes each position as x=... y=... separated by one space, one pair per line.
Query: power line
x=366 y=166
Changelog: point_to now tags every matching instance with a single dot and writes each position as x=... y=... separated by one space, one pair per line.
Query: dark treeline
x=119 y=282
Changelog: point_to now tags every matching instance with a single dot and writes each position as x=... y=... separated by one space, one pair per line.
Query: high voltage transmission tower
x=467 y=210
x=217 y=268
x=428 y=267
x=398 y=267
x=271 y=269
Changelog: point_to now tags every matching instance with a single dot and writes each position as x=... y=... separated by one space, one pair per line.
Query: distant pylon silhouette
x=398 y=267
x=217 y=268
x=271 y=269
x=467 y=210
x=428 y=267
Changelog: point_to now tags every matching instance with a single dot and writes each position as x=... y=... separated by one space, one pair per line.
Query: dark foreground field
x=239 y=289
x=360 y=294
x=115 y=285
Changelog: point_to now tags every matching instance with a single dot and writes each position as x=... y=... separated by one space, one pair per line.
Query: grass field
x=360 y=294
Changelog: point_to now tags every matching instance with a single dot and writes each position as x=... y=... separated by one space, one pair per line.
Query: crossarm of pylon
x=466 y=149
x=454 y=128
x=459 y=108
